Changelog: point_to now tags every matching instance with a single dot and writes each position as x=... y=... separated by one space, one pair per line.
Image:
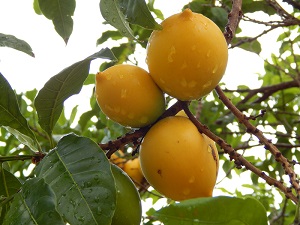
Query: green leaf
x=60 y=12
x=217 y=210
x=35 y=204
x=110 y=34
x=24 y=139
x=11 y=41
x=36 y=7
x=9 y=185
x=73 y=114
x=119 y=13
x=250 y=6
x=50 y=99
x=79 y=173
x=11 y=117
x=244 y=43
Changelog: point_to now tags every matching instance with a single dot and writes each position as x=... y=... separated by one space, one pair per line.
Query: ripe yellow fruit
x=126 y=192
x=118 y=159
x=133 y=168
x=129 y=96
x=188 y=57
x=177 y=160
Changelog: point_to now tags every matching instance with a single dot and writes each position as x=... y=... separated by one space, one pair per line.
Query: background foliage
x=257 y=129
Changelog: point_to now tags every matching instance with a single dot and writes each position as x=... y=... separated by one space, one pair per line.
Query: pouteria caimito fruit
x=177 y=160
x=128 y=95
x=188 y=57
x=133 y=169
x=127 y=194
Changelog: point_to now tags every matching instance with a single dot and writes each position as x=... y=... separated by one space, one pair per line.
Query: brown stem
x=239 y=160
x=113 y=146
x=267 y=143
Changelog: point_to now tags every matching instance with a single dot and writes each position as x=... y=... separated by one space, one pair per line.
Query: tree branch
x=239 y=160
x=267 y=143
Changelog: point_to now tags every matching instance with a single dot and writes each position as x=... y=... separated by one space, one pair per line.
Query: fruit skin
x=177 y=160
x=133 y=169
x=128 y=208
x=188 y=57
x=129 y=96
x=118 y=159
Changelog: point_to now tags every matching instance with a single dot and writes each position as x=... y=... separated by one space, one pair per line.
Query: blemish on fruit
x=215 y=69
x=186 y=191
x=183 y=82
x=130 y=115
x=123 y=93
x=159 y=172
x=207 y=84
x=162 y=81
x=171 y=53
x=192 y=84
x=144 y=120
x=183 y=66
x=192 y=179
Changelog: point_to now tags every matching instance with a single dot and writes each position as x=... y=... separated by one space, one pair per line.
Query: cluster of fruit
x=186 y=60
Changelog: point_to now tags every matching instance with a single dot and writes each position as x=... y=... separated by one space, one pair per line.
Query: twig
x=113 y=146
x=267 y=143
x=239 y=160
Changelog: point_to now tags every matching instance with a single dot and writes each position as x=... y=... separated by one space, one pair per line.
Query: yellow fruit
x=133 y=168
x=129 y=96
x=126 y=194
x=177 y=160
x=188 y=57
x=118 y=159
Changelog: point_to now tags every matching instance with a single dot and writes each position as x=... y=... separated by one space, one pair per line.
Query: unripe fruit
x=177 y=160
x=133 y=169
x=126 y=194
x=129 y=96
x=188 y=57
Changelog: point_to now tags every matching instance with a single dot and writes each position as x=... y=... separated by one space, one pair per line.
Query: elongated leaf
x=35 y=204
x=11 y=117
x=218 y=210
x=80 y=176
x=11 y=41
x=50 y=99
x=9 y=185
x=60 y=12
x=36 y=7
x=119 y=13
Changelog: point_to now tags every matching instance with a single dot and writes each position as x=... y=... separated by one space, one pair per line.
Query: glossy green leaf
x=36 y=7
x=217 y=210
x=9 y=185
x=110 y=34
x=79 y=173
x=120 y=13
x=35 y=204
x=250 y=6
x=50 y=99
x=11 y=41
x=244 y=43
x=11 y=117
x=60 y=12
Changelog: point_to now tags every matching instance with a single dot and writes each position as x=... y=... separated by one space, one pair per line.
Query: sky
x=52 y=55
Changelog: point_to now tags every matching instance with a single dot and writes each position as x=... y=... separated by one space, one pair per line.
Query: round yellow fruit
x=118 y=159
x=133 y=168
x=188 y=57
x=126 y=194
x=129 y=96
x=177 y=160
